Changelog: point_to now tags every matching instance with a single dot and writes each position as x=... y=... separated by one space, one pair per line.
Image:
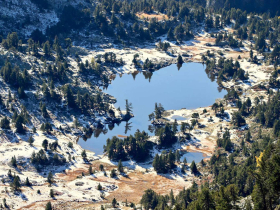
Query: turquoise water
x=188 y=88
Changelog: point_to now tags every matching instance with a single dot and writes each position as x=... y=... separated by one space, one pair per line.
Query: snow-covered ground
x=69 y=184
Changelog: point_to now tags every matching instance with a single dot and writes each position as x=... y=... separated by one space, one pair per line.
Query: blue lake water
x=187 y=88
x=192 y=156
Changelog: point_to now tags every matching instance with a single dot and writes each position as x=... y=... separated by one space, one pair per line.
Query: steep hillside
x=259 y=6
x=24 y=16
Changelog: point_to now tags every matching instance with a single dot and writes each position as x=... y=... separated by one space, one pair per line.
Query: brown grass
x=150 y=16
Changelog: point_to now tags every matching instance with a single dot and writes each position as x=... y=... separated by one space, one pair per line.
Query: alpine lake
x=175 y=88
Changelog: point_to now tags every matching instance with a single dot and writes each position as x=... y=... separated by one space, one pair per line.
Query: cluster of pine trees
x=225 y=70
x=135 y=146
x=165 y=161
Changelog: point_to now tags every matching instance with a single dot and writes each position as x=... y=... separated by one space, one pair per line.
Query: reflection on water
x=188 y=87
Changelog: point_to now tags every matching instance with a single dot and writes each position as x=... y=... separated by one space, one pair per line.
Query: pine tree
x=248 y=136
x=202 y=162
x=27 y=183
x=174 y=127
x=171 y=197
x=51 y=193
x=177 y=155
x=50 y=178
x=180 y=60
x=5 y=123
x=156 y=163
x=99 y=187
x=170 y=35
x=21 y=93
x=101 y=167
x=9 y=173
x=69 y=97
x=128 y=108
x=16 y=183
x=193 y=168
x=120 y=166
x=113 y=173
x=90 y=170
x=14 y=161
x=46 y=49
x=114 y=203
x=45 y=144
x=18 y=125
x=44 y=111
x=48 y=206
x=84 y=154
x=30 y=140
x=185 y=161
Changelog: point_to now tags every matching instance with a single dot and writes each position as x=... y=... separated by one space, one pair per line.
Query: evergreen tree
x=120 y=166
x=128 y=108
x=27 y=183
x=174 y=126
x=45 y=144
x=48 y=206
x=30 y=140
x=44 y=111
x=101 y=167
x=18 y=125
x=84 y=154
x=171 y=198
x=193 y=168
x=185 y=161
x=99 y=187
x=90 y=170
x=21 y=93
x=15 y=185
x=114 y=203
x=180 y=60
x=50 y=178
x=248 y=136
x=113 y=173
x=14 y=161
x=69 y=97
x=51 y=193
x=5 y=123
x=170 y=35
x=46 y=49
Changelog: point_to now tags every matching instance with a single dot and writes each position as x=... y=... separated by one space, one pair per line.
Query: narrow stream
x=187 y=88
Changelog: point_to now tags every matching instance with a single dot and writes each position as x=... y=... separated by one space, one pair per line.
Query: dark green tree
x=50 y=178
x=120 y=166
x=193 y=168
x=48 y=206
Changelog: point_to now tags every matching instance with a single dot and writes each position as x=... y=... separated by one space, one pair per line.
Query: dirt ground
x=150 y=16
